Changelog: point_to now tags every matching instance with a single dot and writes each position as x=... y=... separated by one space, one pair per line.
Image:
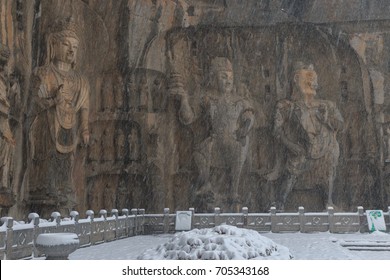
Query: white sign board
x=183 y=220
x=376 y=220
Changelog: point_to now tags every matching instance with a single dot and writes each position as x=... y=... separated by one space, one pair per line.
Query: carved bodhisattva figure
x=307 y=127
x=7 y=141
x=60 y=116
x=221 y=127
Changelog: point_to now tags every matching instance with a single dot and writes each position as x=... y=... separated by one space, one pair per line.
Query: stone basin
x=57 y=246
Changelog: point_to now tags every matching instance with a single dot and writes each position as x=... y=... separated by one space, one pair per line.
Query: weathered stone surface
x=7 y=140
x=153 y=101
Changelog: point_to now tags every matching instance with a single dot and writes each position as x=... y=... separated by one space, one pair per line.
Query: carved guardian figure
x=307 y=127
x=221 y=137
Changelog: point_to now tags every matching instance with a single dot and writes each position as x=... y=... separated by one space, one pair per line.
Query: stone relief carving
x=226 y=119
x=163 y=161
x=107 y=145
x=134 y=144
x=94 y=146
x=307 y=127
x=102 y=192
x=372 y=53
x=118 y=89
x=112 y=93
x=130 y=87
x=109 y=195
x=107 y=96
x=60 y=117
x=386 y=139
x=123 y=194
x=120 y=145
x=7 y=141
x=143 y=91
x=158 y=93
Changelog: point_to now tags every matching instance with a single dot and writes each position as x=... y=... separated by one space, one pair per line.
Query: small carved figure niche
x=94 y=147
x=102 y=192
x=159 y=93
x=112 y=97
x=107 y=145
x=134 y=142
x=146 y=91
x=120 y=144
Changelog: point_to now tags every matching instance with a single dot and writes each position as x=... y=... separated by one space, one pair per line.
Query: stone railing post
x=301 y=211
x=362 y=218
x=166 y=220
x=56 y=217
x=34 y=219
x=245 y=212
x=193 y=217
x=141 y=216
x=103 y=214
x=75 y=216
x=10 y=238
x=115 y=213
x=134 y=212
x=91 y=216
x=217 y=216
x=331 y=219
x=125 y=212
x=273 y=219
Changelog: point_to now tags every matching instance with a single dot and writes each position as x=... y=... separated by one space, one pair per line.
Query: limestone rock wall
x=141 y=59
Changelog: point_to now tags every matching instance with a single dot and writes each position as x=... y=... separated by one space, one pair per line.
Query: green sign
x=376 y=220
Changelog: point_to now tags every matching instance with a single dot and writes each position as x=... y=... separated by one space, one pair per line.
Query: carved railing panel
x=285 y=222
x=154 y=223
x=84 y=232
x=110 y=231
x=345 y=222
x=67 y=226
x=22 y=242
x=98 y=230
x=203 y=220
x=259 y=222
x=315 y=222
x=122 y=230
x=236 y=219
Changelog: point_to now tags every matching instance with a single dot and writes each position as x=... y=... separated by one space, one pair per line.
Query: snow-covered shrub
x=219 y=243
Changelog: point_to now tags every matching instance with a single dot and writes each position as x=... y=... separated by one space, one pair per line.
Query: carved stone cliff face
x=153 y=129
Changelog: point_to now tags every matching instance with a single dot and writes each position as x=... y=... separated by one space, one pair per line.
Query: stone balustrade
x=18 y=239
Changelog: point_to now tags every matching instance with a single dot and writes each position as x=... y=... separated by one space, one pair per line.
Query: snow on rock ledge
x=219 y=243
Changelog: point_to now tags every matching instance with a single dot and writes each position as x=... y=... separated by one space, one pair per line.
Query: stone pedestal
x=57 y=246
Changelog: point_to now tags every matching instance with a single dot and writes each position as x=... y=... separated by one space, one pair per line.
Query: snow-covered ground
x=335 y=256
x=303 y=246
